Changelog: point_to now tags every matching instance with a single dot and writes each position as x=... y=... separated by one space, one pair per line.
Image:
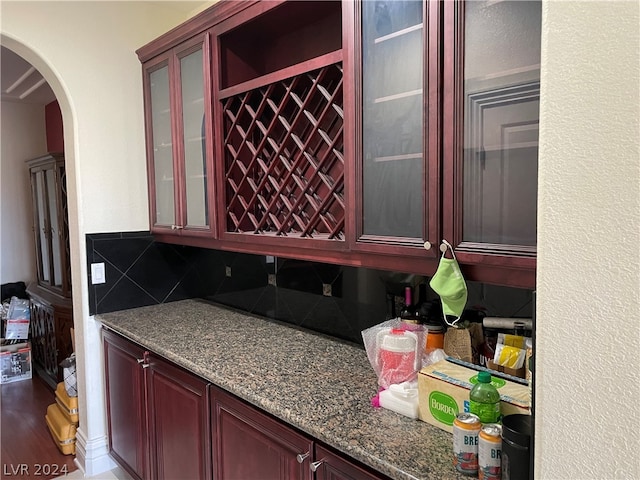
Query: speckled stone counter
x=319 y=385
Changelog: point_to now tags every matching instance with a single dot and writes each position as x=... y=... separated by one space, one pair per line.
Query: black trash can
x=516 y=445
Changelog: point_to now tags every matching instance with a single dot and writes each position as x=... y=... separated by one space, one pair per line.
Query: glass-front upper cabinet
x=398 y=188
x=177 y=100
x=491 y=117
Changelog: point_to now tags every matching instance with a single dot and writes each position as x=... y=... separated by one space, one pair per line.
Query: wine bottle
x=408 y=313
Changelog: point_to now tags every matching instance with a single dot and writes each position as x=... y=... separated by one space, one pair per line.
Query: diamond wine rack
x=284 y=164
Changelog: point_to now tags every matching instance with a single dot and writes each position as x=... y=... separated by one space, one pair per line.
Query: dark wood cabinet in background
x=50 y=296
x=361 y=132
x=50 y=333
x=157 y=414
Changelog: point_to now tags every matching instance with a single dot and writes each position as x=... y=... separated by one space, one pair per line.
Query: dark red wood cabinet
x=180 y=161
x=158 y=414
x=332 y=466
x=359 y=132
x=251 y=445
x=50 y=296
x=126 y=406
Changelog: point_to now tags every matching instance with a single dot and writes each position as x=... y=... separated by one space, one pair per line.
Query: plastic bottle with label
x=484 y=399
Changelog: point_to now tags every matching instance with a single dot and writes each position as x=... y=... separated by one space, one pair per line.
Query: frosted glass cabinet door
x=55 y=233
x=193 y=125
x=501 y=113
x=43 y=247
x=393 y=171
x=162 y=147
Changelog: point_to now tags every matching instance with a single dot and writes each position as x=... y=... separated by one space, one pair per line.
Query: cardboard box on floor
x=443 y=392
x=15 y=362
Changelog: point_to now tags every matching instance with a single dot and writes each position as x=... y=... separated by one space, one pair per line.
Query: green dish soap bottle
x=484 y=399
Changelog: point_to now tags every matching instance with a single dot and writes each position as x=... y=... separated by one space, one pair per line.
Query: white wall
x=588 y=285
x=86 y=51
x=22 y=138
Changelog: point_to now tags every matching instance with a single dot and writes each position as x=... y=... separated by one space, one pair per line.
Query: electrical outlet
x=97 y=273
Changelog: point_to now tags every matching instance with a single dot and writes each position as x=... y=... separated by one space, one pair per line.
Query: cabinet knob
x=427 y=245
x=315 y=465
x=301 y=457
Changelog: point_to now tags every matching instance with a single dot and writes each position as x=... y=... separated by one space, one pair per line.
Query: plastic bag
x=394 y=351
x=18 y=317
x=69 y=375
x=18 y=309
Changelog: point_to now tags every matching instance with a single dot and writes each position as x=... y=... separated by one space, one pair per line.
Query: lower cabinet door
x=250 y=445
x=126 y=404
x=333 y=466
x=178 y=422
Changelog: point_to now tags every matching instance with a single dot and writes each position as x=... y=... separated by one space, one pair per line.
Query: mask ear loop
x=448 y=245
x=453 y=253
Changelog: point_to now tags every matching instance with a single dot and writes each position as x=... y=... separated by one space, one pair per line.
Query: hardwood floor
x=28 y=450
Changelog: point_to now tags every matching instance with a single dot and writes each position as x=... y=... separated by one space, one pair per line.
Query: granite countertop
x=319 y=385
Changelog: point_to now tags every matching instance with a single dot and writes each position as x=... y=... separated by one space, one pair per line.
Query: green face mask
x=449 y=284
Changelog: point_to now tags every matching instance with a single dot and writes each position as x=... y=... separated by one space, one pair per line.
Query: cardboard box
x=443 y=392
x=516 y=372
x=15 y=362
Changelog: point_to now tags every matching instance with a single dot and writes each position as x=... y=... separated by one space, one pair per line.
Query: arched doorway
x=64 y=102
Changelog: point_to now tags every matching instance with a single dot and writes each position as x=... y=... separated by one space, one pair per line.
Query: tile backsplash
x=332 y=299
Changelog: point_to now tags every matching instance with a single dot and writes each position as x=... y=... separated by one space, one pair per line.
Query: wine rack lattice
x=284 y=165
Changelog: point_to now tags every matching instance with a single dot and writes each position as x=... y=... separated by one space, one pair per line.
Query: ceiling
x=21 y=82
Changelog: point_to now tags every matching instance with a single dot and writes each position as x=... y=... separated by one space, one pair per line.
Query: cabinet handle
x=315 y=465
x=142 y=361
x=176 y=227
x=301 y=457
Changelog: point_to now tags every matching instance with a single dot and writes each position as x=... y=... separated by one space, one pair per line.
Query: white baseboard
x=92 y=456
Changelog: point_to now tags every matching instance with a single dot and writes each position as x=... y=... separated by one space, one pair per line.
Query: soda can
x=466 y=428
x=490 y=452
